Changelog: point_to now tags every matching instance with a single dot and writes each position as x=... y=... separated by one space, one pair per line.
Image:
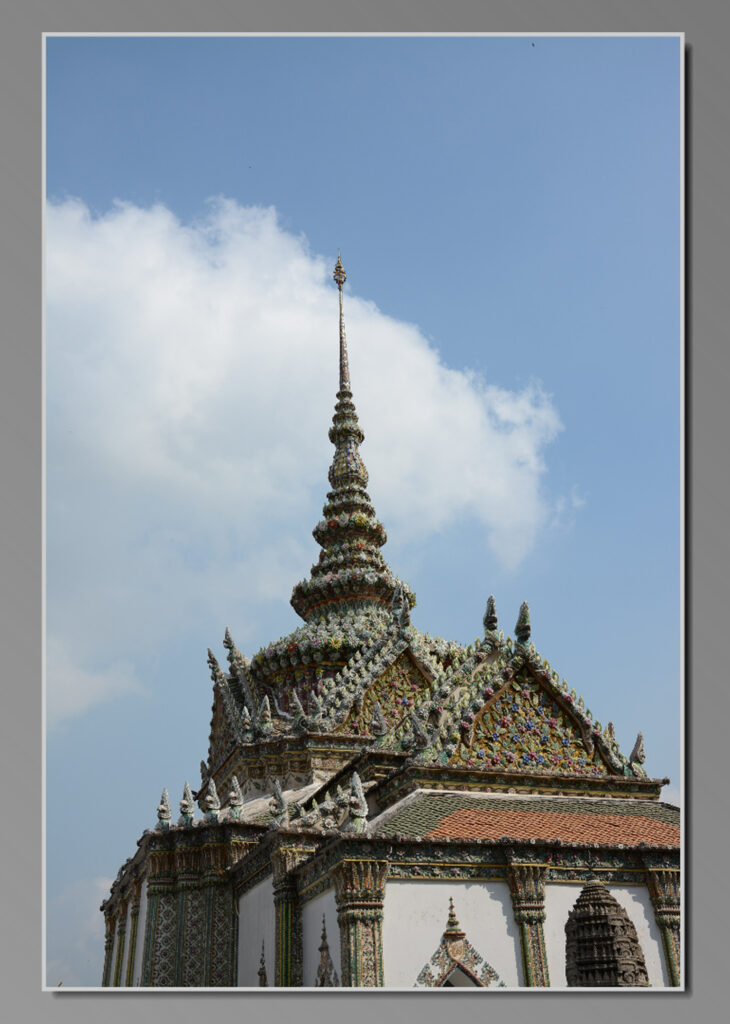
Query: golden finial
x=339 y=275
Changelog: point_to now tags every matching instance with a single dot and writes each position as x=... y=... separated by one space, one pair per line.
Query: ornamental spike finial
x=523 y=628
x=340 y=277
x=490 y=615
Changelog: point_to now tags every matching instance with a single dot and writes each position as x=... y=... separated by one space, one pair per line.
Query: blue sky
x=509 y=218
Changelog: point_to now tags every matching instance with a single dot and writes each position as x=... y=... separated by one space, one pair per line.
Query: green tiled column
x=360 y=892
x=663 y=884
x=527 y=888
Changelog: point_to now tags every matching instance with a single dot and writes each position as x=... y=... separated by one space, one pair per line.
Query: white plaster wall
x=141 y=928
x=560 y=900
x=415 y=916
x=312 y=935
x=256 y=924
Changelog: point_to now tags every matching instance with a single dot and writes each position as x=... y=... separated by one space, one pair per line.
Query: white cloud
x=191 y=375
x=75 y=688
x=75 y=934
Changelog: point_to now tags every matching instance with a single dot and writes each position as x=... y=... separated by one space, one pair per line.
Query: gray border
x=706 y=26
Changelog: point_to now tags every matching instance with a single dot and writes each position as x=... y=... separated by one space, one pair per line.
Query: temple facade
x=382 y=808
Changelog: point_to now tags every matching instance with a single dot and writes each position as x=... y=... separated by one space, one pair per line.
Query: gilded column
x=133 y=922
x=360 y=892
x=121 y=933
x=663 y=884
x=527 y=888
x=288 y=935
x=108 y=948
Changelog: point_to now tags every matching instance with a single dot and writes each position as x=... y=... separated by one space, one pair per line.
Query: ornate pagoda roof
x=359 y=675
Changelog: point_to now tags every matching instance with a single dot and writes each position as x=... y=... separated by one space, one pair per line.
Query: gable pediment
x=397 y=690
x=525 y=725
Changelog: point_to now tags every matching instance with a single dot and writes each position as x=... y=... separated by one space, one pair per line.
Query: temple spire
x=340 y=277
x=351 y=574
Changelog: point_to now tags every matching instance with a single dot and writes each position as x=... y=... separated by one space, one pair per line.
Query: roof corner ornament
x=235 y=800
x=358 y=806
x=490 y=616
x=216 y=673
x=523 y=628
x=278 y=808
x=212 y=803
x=164 y=812
x=637 y=757
x=187 y=807
x=264 y=724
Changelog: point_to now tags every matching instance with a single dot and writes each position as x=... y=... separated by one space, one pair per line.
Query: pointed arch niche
x=456 y=964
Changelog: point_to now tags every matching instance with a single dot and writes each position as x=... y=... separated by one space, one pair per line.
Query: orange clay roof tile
x=571 y=827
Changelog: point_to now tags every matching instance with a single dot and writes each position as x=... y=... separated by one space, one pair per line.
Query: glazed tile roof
x=572 y=820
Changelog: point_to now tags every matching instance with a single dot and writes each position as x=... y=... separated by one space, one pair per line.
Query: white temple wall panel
x=560 y=900
x=415 y=916
x=256 y=924
x=312 y=935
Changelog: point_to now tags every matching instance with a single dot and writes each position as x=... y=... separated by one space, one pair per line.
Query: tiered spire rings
x=351 y=574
